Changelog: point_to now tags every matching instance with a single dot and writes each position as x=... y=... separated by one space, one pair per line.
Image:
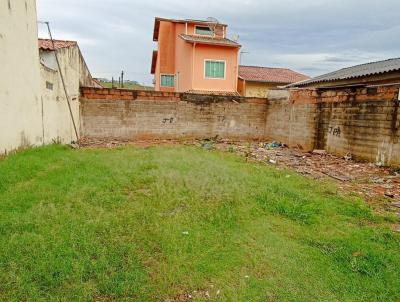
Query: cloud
x=312 y=36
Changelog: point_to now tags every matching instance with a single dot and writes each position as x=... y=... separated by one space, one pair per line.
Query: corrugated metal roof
x=209 y=40
x=357 y=71
x=270 y=75
x=46 y=44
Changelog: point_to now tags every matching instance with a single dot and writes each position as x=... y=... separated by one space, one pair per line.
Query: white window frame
x=213 y=33
x=219 y=61
x=167 y=74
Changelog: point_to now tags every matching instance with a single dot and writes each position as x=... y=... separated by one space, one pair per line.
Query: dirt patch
x=203 y=294
x=115 y=143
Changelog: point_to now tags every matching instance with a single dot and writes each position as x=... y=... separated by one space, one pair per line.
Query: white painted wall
x=56 y=116
x=20 y=97
x=31 y=114
x=58 y=125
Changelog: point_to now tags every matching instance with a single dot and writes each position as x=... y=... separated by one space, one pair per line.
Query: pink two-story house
x=194 y=56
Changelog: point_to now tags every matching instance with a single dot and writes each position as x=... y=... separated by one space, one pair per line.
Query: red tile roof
x=209 y=40
x=270 y=75
x=46 y=44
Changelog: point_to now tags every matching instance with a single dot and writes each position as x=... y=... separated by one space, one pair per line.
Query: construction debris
x=371 y=181
x=320 y=152
x=74 y=145
x=273 y=145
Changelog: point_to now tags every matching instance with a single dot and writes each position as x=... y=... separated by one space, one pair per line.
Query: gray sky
x=310 y=36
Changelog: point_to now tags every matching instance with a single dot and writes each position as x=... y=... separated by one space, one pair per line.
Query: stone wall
x=363 y=122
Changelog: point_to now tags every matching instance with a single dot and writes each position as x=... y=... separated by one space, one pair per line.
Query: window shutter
x=167 y=80
x=215 y=69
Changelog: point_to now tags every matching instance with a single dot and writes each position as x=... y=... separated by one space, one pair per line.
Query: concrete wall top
x=90 y=93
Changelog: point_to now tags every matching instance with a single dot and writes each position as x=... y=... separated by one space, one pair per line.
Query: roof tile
x=357 y=71
x=270 y=75
x=46 y=44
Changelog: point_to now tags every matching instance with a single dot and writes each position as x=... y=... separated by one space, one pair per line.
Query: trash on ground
x=273 y=145
x=320 y=152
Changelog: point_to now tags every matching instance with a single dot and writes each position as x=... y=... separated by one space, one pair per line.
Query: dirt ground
x=379 y=186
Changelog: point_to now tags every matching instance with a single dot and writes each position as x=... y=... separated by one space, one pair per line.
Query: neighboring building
x=255 y=81
x=375 y=73
x=33 y=108
x=56 y=115
x=194 y=56
x=98 y=83
x=20 y=93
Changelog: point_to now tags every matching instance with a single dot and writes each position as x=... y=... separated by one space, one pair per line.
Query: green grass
x=151 y=224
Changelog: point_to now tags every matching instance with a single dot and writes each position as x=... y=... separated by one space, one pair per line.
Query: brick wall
x=293 y=124
x=147 y=114
x=363 y=122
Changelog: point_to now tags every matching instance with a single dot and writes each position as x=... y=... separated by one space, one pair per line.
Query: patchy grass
x=160 y=223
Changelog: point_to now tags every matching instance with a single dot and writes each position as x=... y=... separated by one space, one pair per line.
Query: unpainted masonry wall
x=139 y=115
x=362 y=122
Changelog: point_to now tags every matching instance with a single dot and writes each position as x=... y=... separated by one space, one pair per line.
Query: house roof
x=209 y=40
x=158 y=20
x=363 y=70
x=270 y=75
x=46 y=44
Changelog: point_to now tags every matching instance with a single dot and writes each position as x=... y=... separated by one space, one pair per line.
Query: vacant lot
x=170 y=223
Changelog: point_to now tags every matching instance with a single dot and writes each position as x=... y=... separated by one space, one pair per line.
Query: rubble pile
x=367 y=179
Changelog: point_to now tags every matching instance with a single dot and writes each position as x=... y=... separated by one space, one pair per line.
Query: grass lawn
x=154 y=224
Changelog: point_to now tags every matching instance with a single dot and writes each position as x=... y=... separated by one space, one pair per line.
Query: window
x=167 y=80
x=215 y=69
x=203 y=31
x=49 y=85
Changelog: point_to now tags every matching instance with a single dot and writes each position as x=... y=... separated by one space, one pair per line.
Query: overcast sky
x=310 y=36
